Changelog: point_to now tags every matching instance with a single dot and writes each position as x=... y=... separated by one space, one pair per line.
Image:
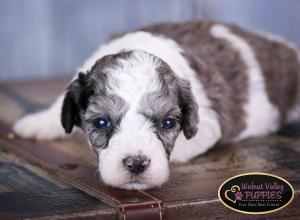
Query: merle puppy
x=169 y=92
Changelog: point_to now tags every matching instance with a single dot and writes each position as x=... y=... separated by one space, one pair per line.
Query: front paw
x=42 y=125
x=178 y=158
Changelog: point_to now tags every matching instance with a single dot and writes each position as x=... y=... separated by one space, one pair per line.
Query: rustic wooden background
x=47 y=38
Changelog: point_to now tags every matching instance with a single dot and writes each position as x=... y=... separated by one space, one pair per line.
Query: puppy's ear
x=76 y=98
x=189 y=109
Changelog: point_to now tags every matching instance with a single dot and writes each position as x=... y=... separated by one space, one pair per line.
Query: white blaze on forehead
x=133 y=122
x=135 y=76
x=261 y=115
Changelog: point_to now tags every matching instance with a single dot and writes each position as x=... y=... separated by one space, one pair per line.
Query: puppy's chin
x=138 y=183
x=136 y=186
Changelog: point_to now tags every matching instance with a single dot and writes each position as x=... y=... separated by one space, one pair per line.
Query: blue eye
x=168 y=123
x=102 y=123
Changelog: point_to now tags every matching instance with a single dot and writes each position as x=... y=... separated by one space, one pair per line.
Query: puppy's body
x=251 y=80
x=241 y=85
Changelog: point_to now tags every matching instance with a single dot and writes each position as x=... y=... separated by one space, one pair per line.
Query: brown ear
x=76 y=98
x=189 y=109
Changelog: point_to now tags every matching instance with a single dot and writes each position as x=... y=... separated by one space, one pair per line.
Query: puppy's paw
x=178 y=158
x=42 y=125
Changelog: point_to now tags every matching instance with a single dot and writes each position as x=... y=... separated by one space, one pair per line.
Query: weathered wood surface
x=191 y=192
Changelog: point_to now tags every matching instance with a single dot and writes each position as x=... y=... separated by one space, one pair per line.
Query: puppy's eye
x=102 y=123
x=168 y=123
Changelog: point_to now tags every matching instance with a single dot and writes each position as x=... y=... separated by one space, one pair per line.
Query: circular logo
x=256 y=193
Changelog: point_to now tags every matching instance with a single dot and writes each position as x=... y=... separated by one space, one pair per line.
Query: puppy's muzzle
x=136 y=164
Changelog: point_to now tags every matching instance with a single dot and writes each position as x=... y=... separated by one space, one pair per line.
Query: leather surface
x=131 y=204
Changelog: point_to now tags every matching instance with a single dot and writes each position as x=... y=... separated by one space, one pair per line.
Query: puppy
x=169 y=92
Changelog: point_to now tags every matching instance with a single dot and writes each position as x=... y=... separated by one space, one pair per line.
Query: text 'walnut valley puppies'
x=169 y=92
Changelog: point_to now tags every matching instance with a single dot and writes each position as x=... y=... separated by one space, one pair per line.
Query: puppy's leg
x=207 y=136
x=42 y=125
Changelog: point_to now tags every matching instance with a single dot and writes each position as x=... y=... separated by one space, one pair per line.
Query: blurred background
x=41 y=39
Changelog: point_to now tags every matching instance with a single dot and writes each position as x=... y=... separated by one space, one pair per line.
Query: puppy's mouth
x=136 y=179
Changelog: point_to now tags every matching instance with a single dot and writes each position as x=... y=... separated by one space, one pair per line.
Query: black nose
x=136 y=164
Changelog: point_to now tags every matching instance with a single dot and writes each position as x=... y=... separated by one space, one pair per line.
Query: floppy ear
x=76 y=98
x=189 y=109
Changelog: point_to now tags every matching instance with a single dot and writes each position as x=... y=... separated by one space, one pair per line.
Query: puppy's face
x=131 y=107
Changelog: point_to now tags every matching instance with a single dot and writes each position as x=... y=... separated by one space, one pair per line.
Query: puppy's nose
x=136 y=164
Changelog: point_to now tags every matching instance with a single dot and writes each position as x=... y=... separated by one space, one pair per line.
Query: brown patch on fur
x=281 y=69
x=218 y=66
x=223 y=73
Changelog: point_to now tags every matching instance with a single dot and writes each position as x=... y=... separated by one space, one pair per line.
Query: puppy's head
x=131 y=107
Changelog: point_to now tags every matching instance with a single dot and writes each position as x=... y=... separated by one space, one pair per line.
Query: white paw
x=42 y=125
x=183 y=150
x=178 y=158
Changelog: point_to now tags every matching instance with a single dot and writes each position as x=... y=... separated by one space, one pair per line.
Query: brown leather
x=131 y=205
